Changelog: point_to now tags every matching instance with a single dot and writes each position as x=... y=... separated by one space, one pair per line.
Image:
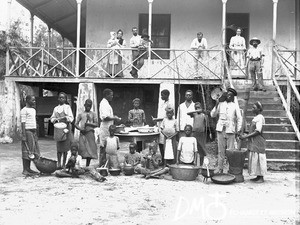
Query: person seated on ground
x=187 y=147
x=111 y=146
x=132 y=158
x=150 y=167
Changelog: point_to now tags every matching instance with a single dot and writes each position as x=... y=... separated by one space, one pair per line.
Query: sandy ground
x=134 y=200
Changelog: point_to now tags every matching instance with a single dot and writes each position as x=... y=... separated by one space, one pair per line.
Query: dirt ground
x=134 y=200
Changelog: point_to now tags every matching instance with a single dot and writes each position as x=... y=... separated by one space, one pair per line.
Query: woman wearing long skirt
x=257 y=145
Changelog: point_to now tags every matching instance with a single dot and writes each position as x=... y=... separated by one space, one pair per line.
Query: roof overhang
x=60 y=15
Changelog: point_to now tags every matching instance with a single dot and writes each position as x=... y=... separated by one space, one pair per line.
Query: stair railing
x=291 y=89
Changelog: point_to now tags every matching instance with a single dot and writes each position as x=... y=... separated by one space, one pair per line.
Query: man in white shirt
x=255 y=57
x=135 y=42
x=198 y=44
x=107 y=118
x=229 y=119
x=182 y=117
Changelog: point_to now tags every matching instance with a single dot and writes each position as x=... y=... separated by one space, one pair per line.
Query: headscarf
x=136 y=100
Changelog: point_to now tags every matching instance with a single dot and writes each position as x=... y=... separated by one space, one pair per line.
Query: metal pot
x=184 y=172
x=114 y=172
x=128 y=170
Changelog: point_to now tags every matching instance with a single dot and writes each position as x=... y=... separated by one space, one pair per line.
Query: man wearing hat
x=229 y=119
x=255 y=57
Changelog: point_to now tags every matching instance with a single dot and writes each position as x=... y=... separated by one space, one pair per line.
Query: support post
x=288 y=95
x=150 y=36
x=8 y=17
x=31 y=37
x=49 y=44
x=224 y=22
x=78 y=36
x=275 y=2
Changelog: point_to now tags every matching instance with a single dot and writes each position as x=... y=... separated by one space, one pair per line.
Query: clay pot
x=128 y=170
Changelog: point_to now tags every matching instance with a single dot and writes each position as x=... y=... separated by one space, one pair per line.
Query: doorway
x=235 y=20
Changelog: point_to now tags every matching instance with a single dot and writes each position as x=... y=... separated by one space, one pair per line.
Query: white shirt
x=61 y=111
x=199 y=45
x=237 y=42
x=28 y=116
x=135 y=41
x=259 y=121
x=105 y=110
x=78 y=163
x=182 y=117
x=187 y=146
x=229 y=117
x=255 y=53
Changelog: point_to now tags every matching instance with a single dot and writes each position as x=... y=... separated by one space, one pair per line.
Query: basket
x=45 y=165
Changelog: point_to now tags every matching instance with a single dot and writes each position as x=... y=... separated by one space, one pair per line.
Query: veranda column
x=31 y=36
x=8 y=17
x=78 y=37
x=275 y=2
x=49 y=44
x=224 y=22
x=150 y=34
x=85 y=91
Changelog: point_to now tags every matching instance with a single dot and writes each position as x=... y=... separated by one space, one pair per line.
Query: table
x=137 y=136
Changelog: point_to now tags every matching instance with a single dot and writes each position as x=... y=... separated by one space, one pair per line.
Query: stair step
x=282 y=154
x=279 y=135
x=277 y=113
x=264 y=100
x=272 y=120
x=268 y=106
x=267 y=94
x=278 y=127
x=283 y=144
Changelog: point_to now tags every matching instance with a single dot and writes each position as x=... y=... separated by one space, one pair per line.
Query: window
x=161 y=26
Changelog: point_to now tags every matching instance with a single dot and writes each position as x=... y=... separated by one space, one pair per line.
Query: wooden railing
x=288 y=93
x=111 y=63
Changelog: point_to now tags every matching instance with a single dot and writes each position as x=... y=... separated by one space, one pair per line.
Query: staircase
x=282 y=146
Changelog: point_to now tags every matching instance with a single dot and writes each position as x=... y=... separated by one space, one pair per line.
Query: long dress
x=64 y=111
x=170 y=127
x=238 y=60
x=87 y=142
x=257 y=148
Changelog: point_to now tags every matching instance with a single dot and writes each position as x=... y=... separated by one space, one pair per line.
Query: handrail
x=293 y=87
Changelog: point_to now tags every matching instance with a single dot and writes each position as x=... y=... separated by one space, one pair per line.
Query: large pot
x=44 y=165
x=103 y=171
x=114 y=172
x=184 y=172
x=128 y=170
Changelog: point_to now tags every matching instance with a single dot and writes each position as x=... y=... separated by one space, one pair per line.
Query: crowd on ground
x=181 y=141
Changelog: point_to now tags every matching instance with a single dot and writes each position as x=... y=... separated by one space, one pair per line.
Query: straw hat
x=254 y=39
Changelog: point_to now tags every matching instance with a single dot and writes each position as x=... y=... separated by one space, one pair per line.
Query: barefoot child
x=63 y=114
x=86 y=122
x=137 y=118
x=111 y=146
x=133 y=158
x=151 y=165
x=74 y=161
x=29 y=136
x=169 y=129
x=199 y=130
x=187 y=147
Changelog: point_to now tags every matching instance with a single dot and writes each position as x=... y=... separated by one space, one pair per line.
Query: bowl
x=223 y=178
x=103 y=171
x=114 y=172
x=120 y=128
x=204 y=172
x=45 y=165
x=128 y=170
x=184 y=172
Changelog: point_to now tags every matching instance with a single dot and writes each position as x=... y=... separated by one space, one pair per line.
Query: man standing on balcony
x=107 y=118
x=182 y=117
x=229 y=119
x=135 y=42
x=198 y=44
x=255 y=57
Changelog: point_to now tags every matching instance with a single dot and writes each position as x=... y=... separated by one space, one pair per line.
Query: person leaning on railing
x=255 y=58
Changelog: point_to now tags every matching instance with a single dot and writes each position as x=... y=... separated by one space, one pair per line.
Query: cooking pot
x=184 y=172
x=114 y=172
x=204 y=172
x=128 y=170
x=44 y=165
x=223 y=178
x=102 y=171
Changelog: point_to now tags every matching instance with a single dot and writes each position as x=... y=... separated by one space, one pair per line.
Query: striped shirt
x=28 y=116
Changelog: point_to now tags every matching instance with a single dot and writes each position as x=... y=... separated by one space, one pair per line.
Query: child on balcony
x=169 y=129
x=111 y=146
x=187 y=147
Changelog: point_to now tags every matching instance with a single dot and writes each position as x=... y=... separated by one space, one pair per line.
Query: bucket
x=60 y=131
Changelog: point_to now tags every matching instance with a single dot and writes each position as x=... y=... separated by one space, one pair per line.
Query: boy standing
x=29 y=135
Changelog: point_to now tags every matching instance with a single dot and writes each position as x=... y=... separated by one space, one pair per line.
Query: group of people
x=139 y=44
x=180 y=141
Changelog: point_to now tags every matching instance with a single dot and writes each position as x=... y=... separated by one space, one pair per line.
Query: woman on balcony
x=115 y=57
x=237 y=46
